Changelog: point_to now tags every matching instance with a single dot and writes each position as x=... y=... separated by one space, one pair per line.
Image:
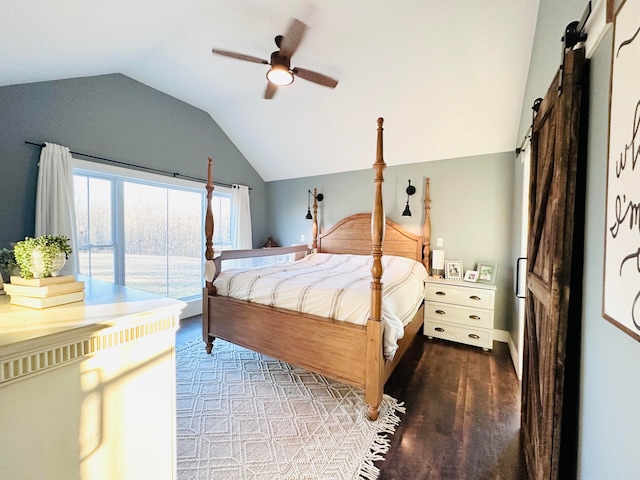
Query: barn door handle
x=441 y=312
x=474 y=297
x=474 y=317
x=518 y=261
x=474 y=336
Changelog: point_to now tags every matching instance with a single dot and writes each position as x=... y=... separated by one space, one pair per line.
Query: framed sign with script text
x=621 y=290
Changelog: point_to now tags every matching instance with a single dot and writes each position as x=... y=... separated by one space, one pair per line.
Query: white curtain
x=55 y=210
x=241 y=226
x=241 y=216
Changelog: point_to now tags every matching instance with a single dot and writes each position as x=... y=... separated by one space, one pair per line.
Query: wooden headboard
x=353 y=235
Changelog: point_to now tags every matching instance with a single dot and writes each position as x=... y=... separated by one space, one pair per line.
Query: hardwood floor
x=463 y=412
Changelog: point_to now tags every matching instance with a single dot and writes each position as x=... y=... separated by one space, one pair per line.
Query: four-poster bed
x=348 y=352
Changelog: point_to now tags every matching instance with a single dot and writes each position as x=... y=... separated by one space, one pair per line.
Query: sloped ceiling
x=448 y=77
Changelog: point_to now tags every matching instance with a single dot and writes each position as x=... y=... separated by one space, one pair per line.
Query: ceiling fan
x=281 y=73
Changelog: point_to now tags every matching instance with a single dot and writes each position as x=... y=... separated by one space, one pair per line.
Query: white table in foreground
x=87 y=390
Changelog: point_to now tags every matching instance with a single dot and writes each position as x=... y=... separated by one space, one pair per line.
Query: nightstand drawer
x=474 y=317
x=470 y=297
x=458 y=333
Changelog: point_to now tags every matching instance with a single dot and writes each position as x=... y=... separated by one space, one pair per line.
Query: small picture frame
x=487 y=272
x=471 y=276
x=453 y=269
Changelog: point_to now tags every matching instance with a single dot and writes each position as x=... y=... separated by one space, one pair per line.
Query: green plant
x=49 y=246
x=7 y=260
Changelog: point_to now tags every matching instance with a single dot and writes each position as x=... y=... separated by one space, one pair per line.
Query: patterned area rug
x=242 y=415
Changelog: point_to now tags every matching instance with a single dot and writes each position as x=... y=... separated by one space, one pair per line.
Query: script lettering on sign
x=621 y=293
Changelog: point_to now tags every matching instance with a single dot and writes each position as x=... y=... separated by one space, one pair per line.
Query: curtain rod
x=141 y=167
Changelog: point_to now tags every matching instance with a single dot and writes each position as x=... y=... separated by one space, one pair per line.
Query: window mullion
x=118 y=229
x=166 y=242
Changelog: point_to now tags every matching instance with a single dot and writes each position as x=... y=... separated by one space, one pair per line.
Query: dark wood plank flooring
x=463 y=412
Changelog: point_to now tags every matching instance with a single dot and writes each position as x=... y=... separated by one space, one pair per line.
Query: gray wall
x=470 y=208
x=115 y=117
x=610 y=393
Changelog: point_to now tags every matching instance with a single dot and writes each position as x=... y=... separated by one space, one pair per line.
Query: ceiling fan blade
x=239 y=56
x=315 y=77
x=292 y=38
x=270 y=91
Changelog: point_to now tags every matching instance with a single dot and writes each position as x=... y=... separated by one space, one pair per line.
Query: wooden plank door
x=551 y=250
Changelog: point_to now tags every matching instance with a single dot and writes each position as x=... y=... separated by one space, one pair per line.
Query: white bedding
x=334 y=286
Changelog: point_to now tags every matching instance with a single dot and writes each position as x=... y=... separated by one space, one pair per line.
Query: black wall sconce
x=410 y=191
x=317 y=196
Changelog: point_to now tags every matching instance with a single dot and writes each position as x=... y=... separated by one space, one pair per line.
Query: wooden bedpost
x=208 y=225
x=209 y=289
x=426 y=232
x=375 y=359
x=314 y=227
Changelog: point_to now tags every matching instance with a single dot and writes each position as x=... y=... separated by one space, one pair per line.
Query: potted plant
x=42 y=256
x=8 y=263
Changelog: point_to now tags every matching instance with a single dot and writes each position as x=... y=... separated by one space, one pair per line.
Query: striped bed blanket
x=334 y=286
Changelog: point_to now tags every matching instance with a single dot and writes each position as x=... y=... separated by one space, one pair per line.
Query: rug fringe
x=382 y=442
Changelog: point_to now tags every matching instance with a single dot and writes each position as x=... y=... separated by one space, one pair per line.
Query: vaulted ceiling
x=448 y=77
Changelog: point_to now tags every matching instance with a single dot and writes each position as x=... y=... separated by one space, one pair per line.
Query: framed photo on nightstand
x=487 y=272
x=471 y=276
x=453 y=269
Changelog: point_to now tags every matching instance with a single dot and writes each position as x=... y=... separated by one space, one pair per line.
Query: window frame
x=119 y=175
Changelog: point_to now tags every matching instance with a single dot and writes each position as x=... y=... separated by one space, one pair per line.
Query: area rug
x=242 y=415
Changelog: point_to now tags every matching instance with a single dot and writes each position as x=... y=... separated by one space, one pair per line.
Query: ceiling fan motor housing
x=277 y=59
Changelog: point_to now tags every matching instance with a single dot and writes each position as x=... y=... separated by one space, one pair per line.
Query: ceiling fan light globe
x=280 y=75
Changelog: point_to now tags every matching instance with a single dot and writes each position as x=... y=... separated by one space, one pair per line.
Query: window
x=145 y=231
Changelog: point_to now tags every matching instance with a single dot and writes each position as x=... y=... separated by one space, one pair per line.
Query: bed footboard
x=328 y=347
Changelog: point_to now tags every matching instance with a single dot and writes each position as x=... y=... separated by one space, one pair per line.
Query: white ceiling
x=447 y=76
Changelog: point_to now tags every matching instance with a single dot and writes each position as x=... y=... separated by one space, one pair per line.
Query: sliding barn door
x=551 y=249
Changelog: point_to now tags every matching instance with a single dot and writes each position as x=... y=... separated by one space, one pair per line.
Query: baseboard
x=501 y=336
x=514 y=356
x=505 y=337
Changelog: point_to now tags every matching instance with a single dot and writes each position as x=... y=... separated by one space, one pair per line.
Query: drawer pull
x=474 y=317
x=474 y=336
x=474 y=297
x=439 y=292
x=441 y=312
x=439 y=329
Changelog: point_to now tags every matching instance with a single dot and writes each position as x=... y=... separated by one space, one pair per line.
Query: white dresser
x=459 y=311
x=87 y=389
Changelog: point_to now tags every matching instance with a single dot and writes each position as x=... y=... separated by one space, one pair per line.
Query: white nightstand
x=459 y=311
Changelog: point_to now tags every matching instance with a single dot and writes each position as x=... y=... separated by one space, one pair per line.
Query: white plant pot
x=38 y=268
x=58 y=263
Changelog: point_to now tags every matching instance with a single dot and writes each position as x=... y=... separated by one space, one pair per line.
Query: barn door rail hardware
x=573 y=34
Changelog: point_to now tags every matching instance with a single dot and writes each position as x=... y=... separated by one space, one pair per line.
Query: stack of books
x=44 y=292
